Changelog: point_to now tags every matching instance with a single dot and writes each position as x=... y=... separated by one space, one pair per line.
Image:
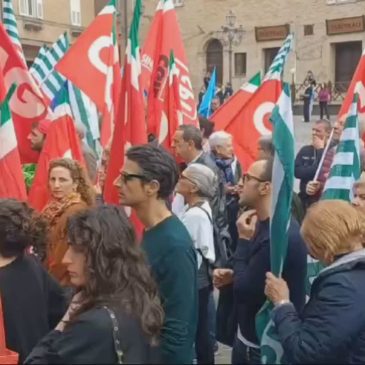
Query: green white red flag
x=130 y=126
x=257 y=110
x=230 y=116
x=61 y=142
x=90 y=64
x=170 y=121
x=27 y=105
x=357 y=86
x=12 y=183
x=165 y=36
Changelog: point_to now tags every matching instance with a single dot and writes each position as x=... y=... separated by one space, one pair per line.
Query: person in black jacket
x=251 y=261
x=331 y=328
x=116 y=315
x=32 y=300
x=309 y=157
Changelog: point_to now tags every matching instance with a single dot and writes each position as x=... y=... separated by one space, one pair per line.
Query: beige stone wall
x=200 y=19
x=56 y=20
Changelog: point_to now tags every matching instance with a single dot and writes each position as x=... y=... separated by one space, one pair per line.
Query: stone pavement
x=302 y=137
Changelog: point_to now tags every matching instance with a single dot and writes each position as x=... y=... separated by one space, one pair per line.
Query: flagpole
x=324 y=155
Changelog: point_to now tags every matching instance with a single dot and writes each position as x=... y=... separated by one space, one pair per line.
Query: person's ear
x=265 y=188
x=152 y=188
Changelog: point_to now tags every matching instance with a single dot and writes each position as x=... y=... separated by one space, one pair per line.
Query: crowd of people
x=79 y=286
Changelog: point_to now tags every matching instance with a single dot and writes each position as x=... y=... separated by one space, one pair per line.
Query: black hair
x=206 y=126
x=156 y=164
x=191 y=133
x=266 y=144
x=20 y=227
x=117 y=272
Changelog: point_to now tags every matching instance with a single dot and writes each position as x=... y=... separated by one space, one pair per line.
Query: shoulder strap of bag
x=116 y=336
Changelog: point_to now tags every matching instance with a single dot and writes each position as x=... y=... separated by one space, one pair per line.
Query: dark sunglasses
x=125 y=177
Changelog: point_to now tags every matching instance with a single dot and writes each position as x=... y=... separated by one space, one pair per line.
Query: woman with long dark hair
x=116 y=315
x=33 y=302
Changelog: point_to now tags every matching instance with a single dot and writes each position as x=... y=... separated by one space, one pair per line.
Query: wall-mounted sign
x=273 y=33
x=345 y=25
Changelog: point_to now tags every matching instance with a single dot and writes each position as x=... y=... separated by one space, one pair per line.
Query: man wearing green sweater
x=146 y=182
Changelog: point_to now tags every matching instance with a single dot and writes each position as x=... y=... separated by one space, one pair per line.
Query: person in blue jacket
x=331 y=328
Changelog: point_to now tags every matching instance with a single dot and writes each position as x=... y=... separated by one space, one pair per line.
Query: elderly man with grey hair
x=195 y=185
x=221 y=145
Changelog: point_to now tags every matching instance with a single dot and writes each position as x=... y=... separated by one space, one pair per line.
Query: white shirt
x=200 y=228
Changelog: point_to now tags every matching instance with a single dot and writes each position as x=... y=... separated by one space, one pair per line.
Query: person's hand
x=246 y=224
x=97 y=189
x=276 y=289
x=313 y=187
x=74 y=305
x=222 y=277
x=230 y=189
x=318 y=143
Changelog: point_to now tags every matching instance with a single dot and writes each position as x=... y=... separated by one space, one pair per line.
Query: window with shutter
x=75 y=12
x=40 y=9
x=240 y=64
x=23 y=7
x=31 y=8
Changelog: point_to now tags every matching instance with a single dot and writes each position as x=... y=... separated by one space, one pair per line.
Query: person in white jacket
x=195 y=185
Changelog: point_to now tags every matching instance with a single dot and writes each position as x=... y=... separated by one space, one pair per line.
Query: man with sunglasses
x=146 y=181
x=251 y=261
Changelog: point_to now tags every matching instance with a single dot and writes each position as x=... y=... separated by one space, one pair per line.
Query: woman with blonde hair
x=331 y=328
x=70 y=192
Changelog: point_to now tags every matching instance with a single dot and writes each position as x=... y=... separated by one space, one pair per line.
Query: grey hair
x=203 y=177
x=218 y=139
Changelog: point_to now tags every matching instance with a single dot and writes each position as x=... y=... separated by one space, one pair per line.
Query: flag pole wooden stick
x=324 y=155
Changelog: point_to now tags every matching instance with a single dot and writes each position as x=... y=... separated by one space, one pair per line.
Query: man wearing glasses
x=251 y=261
x=146 y=181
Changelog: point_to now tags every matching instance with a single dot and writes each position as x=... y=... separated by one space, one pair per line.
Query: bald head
x=262 y=169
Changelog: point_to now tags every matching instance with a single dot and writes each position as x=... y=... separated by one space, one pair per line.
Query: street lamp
x=231 y=35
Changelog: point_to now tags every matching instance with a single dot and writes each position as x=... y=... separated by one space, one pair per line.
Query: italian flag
x=130 y=125
x=230 y=116
x=173 y=118
x=11 y=177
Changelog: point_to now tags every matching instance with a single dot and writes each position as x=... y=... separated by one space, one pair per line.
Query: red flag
x=170 y=121
x=88 y=61
x=357 y=86
x=165 y=36
x=27 y=104
x=252 y=121
x=61 y=141
x=114 y=80
x=12 y=183
x=130 y=125
x=229 y=117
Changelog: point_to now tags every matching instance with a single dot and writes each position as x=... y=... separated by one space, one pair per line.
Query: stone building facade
x=329 y=37
x=43 y=21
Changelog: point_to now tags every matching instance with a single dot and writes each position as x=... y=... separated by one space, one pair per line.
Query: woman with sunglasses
x=116 y=316
x=195 y=185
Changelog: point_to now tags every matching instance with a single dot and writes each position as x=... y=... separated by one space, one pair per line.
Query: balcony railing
x=338 y=91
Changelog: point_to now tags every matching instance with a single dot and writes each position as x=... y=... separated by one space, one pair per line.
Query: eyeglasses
x=125 y=177
x=247 y=177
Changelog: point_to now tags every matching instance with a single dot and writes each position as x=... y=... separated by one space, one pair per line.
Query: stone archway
x=214 y=58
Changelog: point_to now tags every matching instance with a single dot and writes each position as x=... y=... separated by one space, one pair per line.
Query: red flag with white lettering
x=27 y=105
x=92 y=66
x=165 y=36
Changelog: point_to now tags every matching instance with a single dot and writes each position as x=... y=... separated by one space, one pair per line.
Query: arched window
x=215 y=58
